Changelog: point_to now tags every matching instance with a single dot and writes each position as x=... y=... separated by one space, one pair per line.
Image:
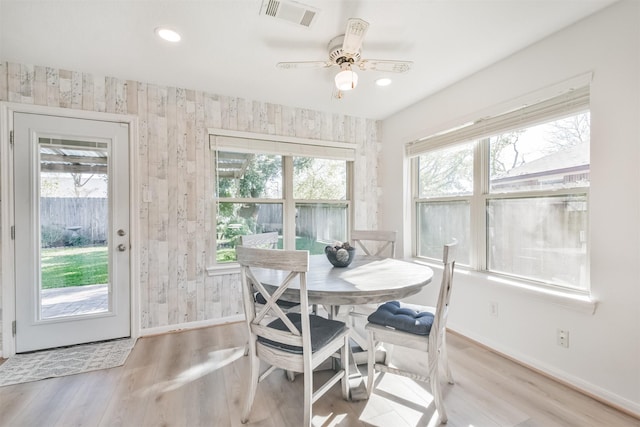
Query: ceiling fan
x=345 y=52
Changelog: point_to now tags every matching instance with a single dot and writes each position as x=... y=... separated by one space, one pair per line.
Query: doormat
x=59 y=362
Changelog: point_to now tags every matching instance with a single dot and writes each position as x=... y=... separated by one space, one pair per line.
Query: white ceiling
x=228 y=48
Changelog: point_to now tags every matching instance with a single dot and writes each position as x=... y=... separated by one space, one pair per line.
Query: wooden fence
x=71 y=221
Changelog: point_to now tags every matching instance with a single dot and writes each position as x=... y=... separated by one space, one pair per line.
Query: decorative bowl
x=339 y=257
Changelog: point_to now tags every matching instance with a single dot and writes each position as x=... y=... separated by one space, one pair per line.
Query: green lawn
x=65 y=267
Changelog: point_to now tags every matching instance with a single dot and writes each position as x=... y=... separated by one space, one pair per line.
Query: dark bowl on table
x=339 y=257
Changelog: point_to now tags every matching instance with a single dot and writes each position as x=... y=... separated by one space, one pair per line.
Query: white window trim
x=578 y=302
x=223 y=269
x=250 y=142
x=412 y=147
x=568 y=97
x=572 y=101
x=286 y=146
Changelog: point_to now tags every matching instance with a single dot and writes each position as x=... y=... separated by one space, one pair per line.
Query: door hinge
x=13 y=232
x=13 y=328
x=11 y=138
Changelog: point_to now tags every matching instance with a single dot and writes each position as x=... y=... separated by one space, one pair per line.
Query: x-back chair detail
x=385 y=239
x=378 y=243
x=267 y=240
x=418 y=327
x=297 y=342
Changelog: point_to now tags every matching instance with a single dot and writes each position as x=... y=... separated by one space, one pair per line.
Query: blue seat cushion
x=259 y=298
x=403 y=317
x=322 y=332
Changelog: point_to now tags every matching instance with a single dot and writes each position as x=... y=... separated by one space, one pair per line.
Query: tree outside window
x=252 y=197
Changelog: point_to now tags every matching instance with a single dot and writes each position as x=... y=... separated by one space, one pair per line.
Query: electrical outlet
x=563 y=338
x=493 y=308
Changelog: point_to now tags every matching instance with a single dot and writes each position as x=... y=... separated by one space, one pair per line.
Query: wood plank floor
x=172 y=380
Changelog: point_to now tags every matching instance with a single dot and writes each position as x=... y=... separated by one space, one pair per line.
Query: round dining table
x=367 y=280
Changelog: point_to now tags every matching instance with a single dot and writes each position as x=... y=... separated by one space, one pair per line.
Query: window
x=513 y=190
x=300 y=191
x=320 y=195
x=445 y=190
x=250 y=198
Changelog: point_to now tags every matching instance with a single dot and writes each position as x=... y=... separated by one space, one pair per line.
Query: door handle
x=121 y=232
x=122 y=247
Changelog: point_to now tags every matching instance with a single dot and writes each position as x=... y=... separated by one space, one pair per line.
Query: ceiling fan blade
x=385 y=65
x=354 y=35
x=304 y=64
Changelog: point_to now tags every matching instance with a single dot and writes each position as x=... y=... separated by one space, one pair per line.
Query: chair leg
x=388 y=348
x=308 y=395
x=252 y=385
x=434 y=380
x=346 y=350
x=445 y=359
x=371 y=360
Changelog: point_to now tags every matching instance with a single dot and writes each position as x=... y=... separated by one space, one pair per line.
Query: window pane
x=319 y=179
x=242 y=175
x=439 y=223
x=235 y=219
x=549 y=156
x=540 y=238
x=446 y=172
x=320 y=224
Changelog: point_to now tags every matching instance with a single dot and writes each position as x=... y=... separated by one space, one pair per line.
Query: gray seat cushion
x=403 y=317
x=322 y=332
x=259 y=298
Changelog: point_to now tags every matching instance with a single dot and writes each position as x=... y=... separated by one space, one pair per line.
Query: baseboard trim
x=547 y=374
x=159 y=330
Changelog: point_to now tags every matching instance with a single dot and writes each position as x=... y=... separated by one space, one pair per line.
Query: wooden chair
x=260 y=240
x=417 y=327
x=385 y=241
x=297 y=342
x=266 y=241
x=379 y=243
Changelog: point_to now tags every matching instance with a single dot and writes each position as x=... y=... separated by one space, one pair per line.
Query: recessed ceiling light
x=383 y=81
x=168 y=34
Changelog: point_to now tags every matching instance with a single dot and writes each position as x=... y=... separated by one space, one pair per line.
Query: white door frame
x=7 y=250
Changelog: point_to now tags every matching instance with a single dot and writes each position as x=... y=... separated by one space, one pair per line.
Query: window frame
x=575 y=102
x=288 y=148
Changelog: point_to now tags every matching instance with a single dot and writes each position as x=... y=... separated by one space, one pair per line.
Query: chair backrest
x=261 y=240
x=385 y=241
x=444 y=297
x=296 y=264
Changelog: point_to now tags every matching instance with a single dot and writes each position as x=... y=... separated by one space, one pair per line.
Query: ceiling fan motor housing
x=337 y=54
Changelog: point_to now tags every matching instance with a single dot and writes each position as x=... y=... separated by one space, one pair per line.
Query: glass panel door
x=74 y=201
x=72 y=263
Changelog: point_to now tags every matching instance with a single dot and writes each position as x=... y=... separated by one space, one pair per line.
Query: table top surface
x=366 y=280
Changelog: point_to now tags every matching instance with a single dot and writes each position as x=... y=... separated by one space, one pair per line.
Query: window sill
x=579 y=302
x=222 y=269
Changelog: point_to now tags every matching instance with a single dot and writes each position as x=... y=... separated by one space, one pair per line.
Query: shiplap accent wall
x=175 y=174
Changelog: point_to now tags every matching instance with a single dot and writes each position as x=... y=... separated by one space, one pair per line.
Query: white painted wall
x=604 y=353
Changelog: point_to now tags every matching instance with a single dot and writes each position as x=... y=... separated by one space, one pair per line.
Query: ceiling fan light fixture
x=346 y=79
x=168 y=34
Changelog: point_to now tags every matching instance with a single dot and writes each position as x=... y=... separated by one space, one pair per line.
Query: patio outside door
x=71 y=192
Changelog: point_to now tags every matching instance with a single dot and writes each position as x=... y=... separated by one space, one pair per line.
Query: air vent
x=291 y=11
